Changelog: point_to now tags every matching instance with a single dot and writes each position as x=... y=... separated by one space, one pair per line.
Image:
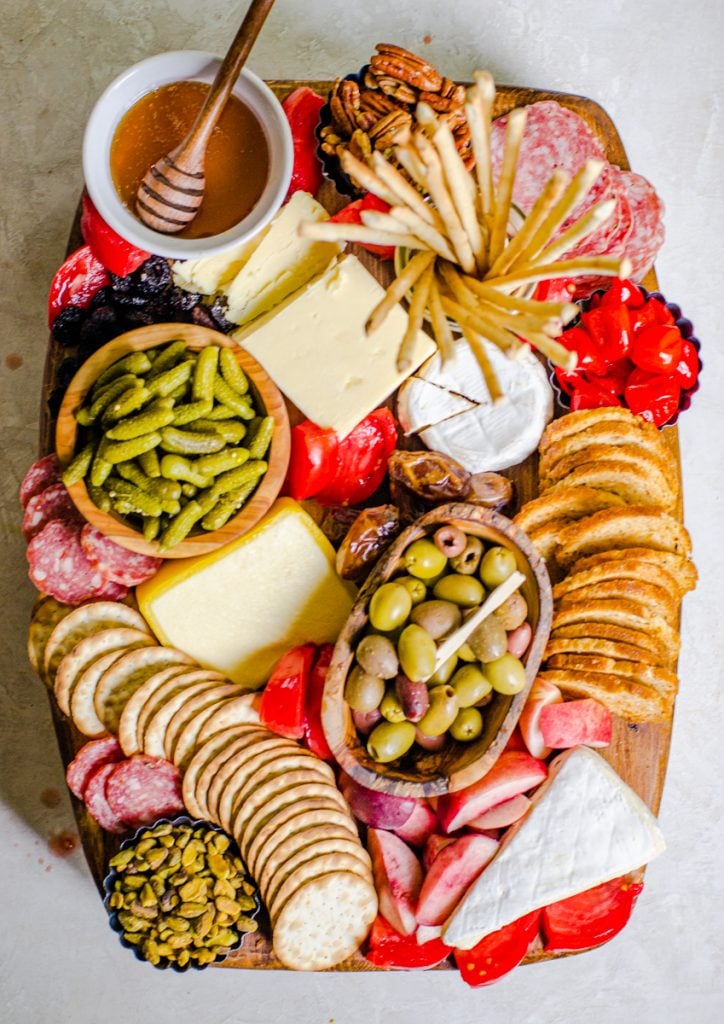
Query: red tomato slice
x=498 y=953
x=654 y=397
x=387 y=948
x=591 y=917
x=312 y=461
x=114 y=252
x=361 y=460
x=352 y=214
x=282 y=702
x=657 y=348
x=76 y=282
x=314 y=736
x=302 y=108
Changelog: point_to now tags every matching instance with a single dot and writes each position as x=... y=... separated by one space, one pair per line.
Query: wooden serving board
x=639 y=753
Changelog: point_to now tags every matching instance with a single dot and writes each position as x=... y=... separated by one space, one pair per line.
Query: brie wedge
x=585 y=826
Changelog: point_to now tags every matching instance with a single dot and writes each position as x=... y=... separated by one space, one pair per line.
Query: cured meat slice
x=88 y=760
x=111 y=591
x=96 y=799
x=647 y=233
x=42 y=474
x=58 y=565
x=143 y=789
x=52 y=503
x=115 y=562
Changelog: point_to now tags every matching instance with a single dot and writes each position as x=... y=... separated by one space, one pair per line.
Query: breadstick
x=578 y=230
x=405 y=194
x=415 y=313
x=553 y=350
x=552 y=192
x=504 y=192
x=327 y=231
x=481 y=99
x=477 y=347
x=441 y=197
x=606 y=266
x=563 y=311
x=434 y=239
x=367 y=178
x=398 y=289
x=409 y=159
x=440 y=324
x=469 y=318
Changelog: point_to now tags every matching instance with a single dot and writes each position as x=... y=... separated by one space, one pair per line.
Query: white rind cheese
x=315 y=349
x=585 y=827
x=487 y=435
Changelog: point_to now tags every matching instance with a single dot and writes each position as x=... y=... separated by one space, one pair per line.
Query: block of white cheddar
x=238 y=609
x=281 y=263
x=315 y=349
x=208 y=274
x=585 y=827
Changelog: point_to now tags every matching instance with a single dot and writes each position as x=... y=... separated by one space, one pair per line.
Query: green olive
x=362 y=691
x=437 y=617
x=390 y=740
x=391 y=706
x=424 y=559
x=377 y=655
x=442 y=674
x=465 y=591
x=470 y=685
x=512 y=612
x=468 y=560
x=506 y=674
x=466 y=653
x=467 y=726
x=488 y=640
x=417 y=653
x=416 y=588
x=390 y=607
x=441 y=713
x=497 y=565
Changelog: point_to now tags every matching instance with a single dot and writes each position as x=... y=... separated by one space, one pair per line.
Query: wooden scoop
x=172 y=189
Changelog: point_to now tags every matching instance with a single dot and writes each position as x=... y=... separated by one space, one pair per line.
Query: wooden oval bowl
x=457 y=765
x=266 y=396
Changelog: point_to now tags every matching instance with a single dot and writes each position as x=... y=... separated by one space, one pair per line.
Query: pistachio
x=148 y=896
x=191 y=910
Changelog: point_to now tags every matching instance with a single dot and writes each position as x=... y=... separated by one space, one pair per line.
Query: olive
x=417 y=653
x=431 y=743
x=413 y=698
x=519 y=639
x=488 y=640
x=467 y=726
x=512 y=612
x=390 y=740
x=441 y=713
x=362 y=691
x=377 y=655
x=389 y=607
x=391 y=706
x=466 y=591
x=506 y=674
x=437 y=617
x=470 y=685
x=450 y=540
x=468 y=560
x=424 y=559
x=365 y=721
x=497 y=565
x=442 y=674
x=415 y=587
x=465 y=653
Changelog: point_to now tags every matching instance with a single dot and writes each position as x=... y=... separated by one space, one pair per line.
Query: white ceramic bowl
x=143 y=78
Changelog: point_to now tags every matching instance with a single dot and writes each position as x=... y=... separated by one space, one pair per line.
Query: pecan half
x=425 y=77
x=386 y=130
x=377 y=103
x=401 y=91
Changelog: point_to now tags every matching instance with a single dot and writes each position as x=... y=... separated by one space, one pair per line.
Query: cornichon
x=232 y=372
x=186 y=442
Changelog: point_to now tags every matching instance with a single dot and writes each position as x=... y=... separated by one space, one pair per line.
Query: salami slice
x=58 y=565
x=111 y=591
x=42 y=474
x=117 y=563
x=88 y=760
x=96 y=799
x=143 y=789
x=52 y=503
x=647 y=233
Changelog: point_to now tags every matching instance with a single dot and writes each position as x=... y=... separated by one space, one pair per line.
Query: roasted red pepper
x=312 y=460
x=498 y=953
x=314 y=733
x=114 y=252
x=657 y=348
x=387 y=948
x=361 y=460
x=596 y=393
x=591 y=917
x=352 y=214
x=610 y=328
x=653 y=311
x=282 y=707
x=302 y=109
x=654 y=397
x=76 y=281
x=687 y=369
x=622 y=292
x=590 y=358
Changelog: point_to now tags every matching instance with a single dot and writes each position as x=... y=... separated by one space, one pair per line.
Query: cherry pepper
x=282 y=707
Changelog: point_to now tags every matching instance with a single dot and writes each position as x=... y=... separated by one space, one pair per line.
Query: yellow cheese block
x=240 y=608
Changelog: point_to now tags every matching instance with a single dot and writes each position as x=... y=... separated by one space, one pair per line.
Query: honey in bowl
x=237 y=156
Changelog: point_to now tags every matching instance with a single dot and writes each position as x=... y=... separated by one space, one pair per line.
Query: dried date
x=368 y=536
x=432 y=476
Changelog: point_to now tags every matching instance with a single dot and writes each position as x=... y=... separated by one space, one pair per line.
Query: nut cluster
x=379 y=114
x=181 y=894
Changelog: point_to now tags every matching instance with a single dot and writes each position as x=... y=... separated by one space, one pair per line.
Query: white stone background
x=656 y=67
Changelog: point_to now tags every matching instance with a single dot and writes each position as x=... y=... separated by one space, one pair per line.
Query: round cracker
x=120 y=682
x=193 y=707
x=47 y=613
x=82 y=706
x=200 y=759
x=239 y=739
x=234 y=772
x=241 y=710
x=325 y=921
x=128 y=733
x=320 y=795
x=187 y=743
x=288 y=821
x=153 y=734
x=326 y=839
x=264 y=767
x=84 y=621
x=328 y=862
x=292 y=784
x=87 y=651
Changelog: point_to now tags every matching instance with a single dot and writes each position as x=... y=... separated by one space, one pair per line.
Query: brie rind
x=488 y=435
x=584 y=827
x=430 y=404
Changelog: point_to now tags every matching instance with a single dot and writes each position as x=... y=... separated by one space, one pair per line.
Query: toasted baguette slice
x=619 y=569
x=636 y=702
x=621 y=612
x=663 y=681
x=613 y=416
x=653 y=597
x=632 y=526
x=639 y=638
x=635 y=484
x=618 y=434
x=682 y=569
x=636 y=455
x=564 y=503
x=599 y=647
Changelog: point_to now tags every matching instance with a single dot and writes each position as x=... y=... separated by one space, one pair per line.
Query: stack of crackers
x=619 y=557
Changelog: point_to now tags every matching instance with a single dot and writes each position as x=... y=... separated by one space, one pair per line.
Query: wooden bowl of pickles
x=173 y=440
x=434 y=664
